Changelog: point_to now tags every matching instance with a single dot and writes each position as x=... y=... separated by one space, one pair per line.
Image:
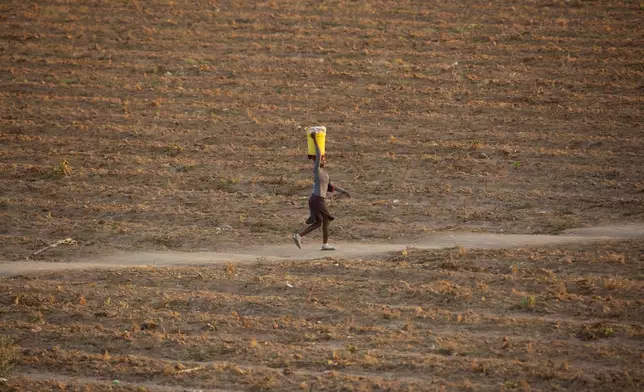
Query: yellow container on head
x=320 y=136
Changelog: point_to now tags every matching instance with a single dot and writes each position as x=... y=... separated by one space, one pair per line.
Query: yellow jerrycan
x=320 y=136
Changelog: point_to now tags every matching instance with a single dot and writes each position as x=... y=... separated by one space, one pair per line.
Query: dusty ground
x=346 y=251
x=453 y=319
x=153 y=125
x=174 y=124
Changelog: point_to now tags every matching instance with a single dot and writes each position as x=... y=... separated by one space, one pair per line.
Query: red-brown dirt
x=174 y=124
x=138 y=126
x=453 y=319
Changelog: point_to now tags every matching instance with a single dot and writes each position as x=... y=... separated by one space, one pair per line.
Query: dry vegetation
x=454 y=319
x=173 y=124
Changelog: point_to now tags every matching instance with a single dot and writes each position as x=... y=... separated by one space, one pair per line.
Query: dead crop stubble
x=453 y=319
x=173 y=124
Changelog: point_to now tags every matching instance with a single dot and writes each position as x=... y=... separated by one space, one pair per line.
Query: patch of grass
x=68 y=81
x=528 y=302
x=389 y=314
x=595 y=331
x=8 y=355
x=63 y=169
x=509 y=384
x=227 y=184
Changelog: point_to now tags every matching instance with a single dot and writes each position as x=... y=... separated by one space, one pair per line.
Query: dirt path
x=345 y=250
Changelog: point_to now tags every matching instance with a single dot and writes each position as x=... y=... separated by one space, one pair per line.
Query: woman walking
x=320 y=215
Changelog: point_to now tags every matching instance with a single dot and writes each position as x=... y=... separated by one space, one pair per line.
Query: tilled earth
x=452 y=319
x=163 y=124
x=177 y=124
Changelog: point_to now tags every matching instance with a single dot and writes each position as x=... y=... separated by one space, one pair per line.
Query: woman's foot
x=327 y=247
x=298 y=240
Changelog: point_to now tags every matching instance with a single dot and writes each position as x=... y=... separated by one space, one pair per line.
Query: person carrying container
x=322 y=185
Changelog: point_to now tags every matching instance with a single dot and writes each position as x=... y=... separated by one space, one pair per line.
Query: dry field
x=166 y=124
x=448 y=320
x=177 y=124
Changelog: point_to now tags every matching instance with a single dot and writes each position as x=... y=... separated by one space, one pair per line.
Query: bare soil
x=420 y=320
x=142 y=127
x=155 y=125
x=351 y=250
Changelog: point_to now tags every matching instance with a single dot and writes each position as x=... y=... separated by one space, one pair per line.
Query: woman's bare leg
x=310 y=228
x=325 y=231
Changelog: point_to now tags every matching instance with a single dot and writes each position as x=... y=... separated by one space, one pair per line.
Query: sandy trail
x=311 y=250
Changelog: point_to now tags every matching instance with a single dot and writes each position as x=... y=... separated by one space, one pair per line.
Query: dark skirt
x=318 y=209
